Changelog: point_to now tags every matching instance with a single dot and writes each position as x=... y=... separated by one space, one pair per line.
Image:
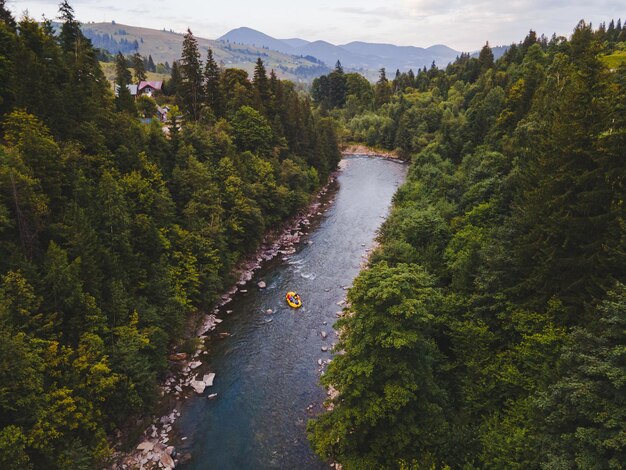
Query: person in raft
x=295 y=298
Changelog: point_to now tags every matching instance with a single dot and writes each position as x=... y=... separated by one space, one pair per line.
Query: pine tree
x=173 y=85
x=6 y=16
x=124 y=100
x=137 y=63
x=261 y=85
x=191 y=93
x=212 y=85
x=337 y=87
x=559 y=251
x=383 y=91
x=485 y=58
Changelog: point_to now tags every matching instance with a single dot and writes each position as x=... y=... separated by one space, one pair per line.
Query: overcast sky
x=461 y=24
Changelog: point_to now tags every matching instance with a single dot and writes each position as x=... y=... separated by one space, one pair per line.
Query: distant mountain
x=165 y=46
x=256 y=38
x=295 y=42
x=355 y=55
x=330 y=54
x=294 y=58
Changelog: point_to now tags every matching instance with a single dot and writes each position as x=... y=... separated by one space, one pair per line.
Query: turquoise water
x=267 y=371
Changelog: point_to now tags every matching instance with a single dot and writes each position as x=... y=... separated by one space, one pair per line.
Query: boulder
x=195 y=364
x=167 y=461
x=323 y=334
x=262 y=285
x=198 y=386
x=146 y=446
x=208 y=379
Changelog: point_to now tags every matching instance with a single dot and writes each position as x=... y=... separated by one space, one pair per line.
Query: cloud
x=385 y=12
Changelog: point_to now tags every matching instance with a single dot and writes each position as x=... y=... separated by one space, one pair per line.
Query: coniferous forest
x=113 y=233
x=489 y=330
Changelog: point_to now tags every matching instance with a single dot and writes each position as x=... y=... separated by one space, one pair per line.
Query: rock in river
x=198 y=386
x=208 y=379
x=146 y=446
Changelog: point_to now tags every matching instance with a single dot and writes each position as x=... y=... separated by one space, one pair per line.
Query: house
x=162 y=113
x=149 y=88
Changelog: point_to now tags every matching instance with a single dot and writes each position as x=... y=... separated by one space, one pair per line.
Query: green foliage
x=512 y=355
x=114 y=234
x=252 y=131
x=385 y=378
x=191 y=93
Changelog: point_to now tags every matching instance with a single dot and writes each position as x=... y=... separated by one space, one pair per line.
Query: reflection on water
x=267 y=370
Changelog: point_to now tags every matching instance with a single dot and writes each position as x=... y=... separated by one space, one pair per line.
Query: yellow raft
x=293 y=300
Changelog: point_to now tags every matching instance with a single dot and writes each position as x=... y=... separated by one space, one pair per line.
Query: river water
x=267 y=371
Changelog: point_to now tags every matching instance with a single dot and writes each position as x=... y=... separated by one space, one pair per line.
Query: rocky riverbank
x=360 y=149
x=188 y=376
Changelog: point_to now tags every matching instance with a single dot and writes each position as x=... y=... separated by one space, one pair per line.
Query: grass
x=614 y=60
x=109 y=72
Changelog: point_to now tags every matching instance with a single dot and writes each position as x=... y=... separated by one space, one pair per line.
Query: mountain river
x=268 y=369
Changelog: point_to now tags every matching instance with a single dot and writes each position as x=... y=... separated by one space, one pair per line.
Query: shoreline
x=186 y=376
x=155 y=447
x=362 y=149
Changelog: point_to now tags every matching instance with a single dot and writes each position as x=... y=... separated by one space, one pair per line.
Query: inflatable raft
x=293 y=300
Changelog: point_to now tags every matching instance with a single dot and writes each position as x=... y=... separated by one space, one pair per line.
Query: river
x=267 y=381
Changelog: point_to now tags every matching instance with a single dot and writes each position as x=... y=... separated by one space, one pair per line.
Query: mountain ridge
x=358 y=55
x=295 y=59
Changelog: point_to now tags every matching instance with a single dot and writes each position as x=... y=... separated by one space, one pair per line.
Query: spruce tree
x=485 y=58
x=124 y=100
x=337 y=87
x=261 y=85
x=138 y=65
x=191 y=93
x=6 y=16
x=382 y=92
x=212 y=85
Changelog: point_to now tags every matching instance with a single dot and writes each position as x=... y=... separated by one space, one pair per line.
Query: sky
x=464 y=25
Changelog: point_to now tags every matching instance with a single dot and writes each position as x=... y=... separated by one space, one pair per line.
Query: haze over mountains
x=293 y=58
x=354 y=55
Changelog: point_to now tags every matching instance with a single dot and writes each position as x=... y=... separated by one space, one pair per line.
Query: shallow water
x=267 y=371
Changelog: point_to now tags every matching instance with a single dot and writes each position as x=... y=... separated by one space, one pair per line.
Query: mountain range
x=355 y=55
x=293 y=58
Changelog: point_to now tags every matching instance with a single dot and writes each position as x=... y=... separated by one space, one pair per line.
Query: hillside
x=294 y=58
x=356 y=55
x=166 y=46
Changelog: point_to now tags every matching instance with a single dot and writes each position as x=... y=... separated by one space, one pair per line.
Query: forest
x=489 y=330
x=114 y=233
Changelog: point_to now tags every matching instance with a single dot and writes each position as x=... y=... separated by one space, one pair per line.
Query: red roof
x=154 y=85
